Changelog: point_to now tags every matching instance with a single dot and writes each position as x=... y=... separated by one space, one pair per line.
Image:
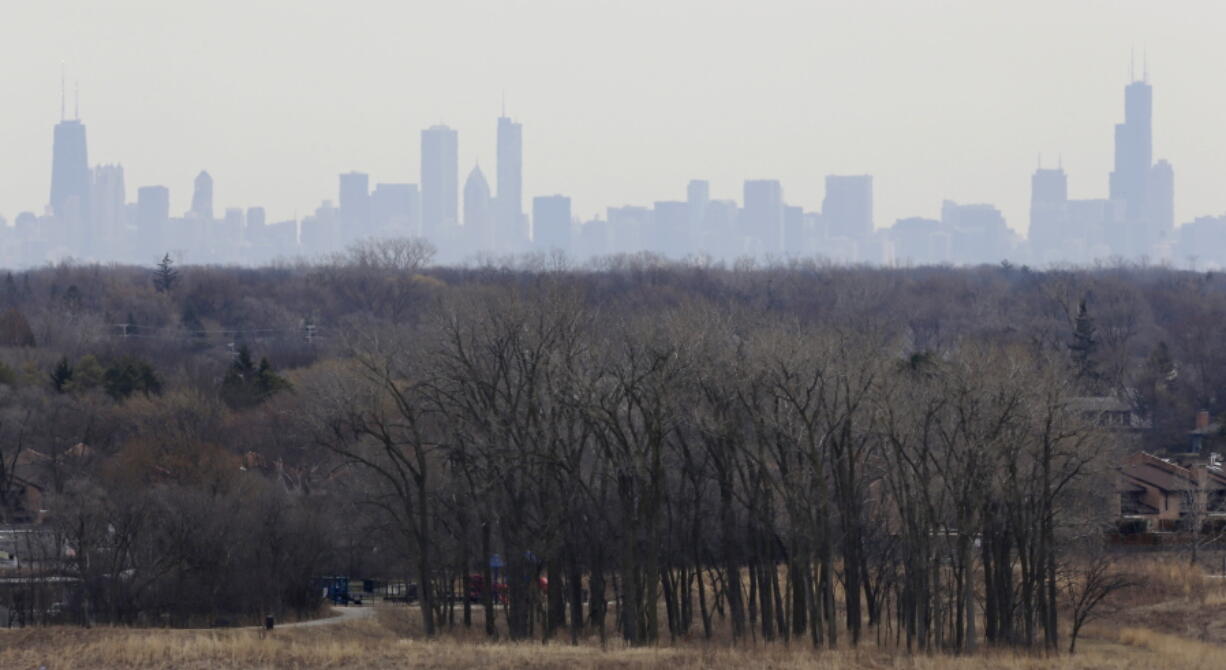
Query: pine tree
x=247 y=385
x=61 y=375
x=165 y=276
x=1084 y=346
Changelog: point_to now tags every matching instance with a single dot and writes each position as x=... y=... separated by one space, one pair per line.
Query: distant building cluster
x=90 y=216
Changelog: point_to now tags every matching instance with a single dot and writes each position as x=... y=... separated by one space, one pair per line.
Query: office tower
x=478 y=214
x=256 y=218
x=354 y=206
x=202 y=197
x=1161 y=199
x=152 y=220
x=255 y=233
x=793 y=231
x=720 y=237
x=109 y=216
x=439 y=176
x=395 y=210
x=1048 y=214
x=979 y=232
x=697 y=195
x=551 y=223
x=848 y=206
x=762 y=216
x=1145 y=190
x=629 y=229
x=1133 y=150
x=319 y=232
x=511 y=231
x=69 y=171
x=919 y=241
x=671 y=220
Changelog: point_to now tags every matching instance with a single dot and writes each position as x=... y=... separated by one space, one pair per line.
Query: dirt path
x=343 y=614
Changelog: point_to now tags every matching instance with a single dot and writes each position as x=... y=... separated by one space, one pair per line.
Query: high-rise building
x=395 y=210
x=109 y=216
x=1145 y=190
x=671 y=220
x=478 y=214
x=848 y=206
x=256 y=218
x=202 y=197
x=1133 y=150
x=1161 y=199
x=979 y=232
x=354 y=206
x=629 y=229
x=152 y=220
x=551 y=223
x=1048 y=214
x=70 y=171
x=762 y=215
x=440 y=172
x=511 y=232
x=697 y=195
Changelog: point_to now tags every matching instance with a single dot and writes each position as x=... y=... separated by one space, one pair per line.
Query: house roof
x=1099 y=404
x=1167 y=476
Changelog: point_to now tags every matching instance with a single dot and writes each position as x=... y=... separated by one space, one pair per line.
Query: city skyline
x=88 y=218
x=949 y=99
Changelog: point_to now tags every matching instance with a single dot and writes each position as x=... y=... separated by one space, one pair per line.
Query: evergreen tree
x=61 y=375
x=165 y=276
x=129 y=375
x=246 y=384
x=1084 y=346
x=12 y=295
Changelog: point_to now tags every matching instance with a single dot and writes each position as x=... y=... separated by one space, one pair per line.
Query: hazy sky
x=622 y=101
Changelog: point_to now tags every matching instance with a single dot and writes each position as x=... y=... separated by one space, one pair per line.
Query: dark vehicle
x=336 y=590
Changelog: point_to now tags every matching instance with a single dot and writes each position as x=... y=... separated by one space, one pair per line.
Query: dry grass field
x=1176 y=621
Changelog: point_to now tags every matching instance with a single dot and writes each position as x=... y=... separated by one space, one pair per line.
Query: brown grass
x=370 y=644
x=1174 y=621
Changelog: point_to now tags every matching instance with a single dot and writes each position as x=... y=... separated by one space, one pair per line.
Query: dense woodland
x=806 y=452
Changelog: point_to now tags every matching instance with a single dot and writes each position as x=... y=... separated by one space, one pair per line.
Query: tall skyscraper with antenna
x=69 y=168
x=1131 y=182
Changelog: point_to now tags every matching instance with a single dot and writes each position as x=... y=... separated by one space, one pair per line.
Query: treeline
x=705 y=467
x=776 y=453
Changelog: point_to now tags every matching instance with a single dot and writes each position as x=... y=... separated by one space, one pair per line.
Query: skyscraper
x=1048 y=214
x=1161 y=199
x=108 y=218
x=697 y=195
x=202 y=197
x=671 y=222
x=1133 y=150
x=511 y=231
x=70 y=171
x=848 y=206
x=551 y=223
x=152 y=220
x=762 y=216
x=395 y=210
x=478 y=216
x=440 y=172
x=354 y=205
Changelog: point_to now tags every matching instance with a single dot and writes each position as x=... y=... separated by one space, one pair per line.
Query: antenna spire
x=1132 y=64
x=1145 y=66
x=76 y=103
x=504 y=102
x=63 y=94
